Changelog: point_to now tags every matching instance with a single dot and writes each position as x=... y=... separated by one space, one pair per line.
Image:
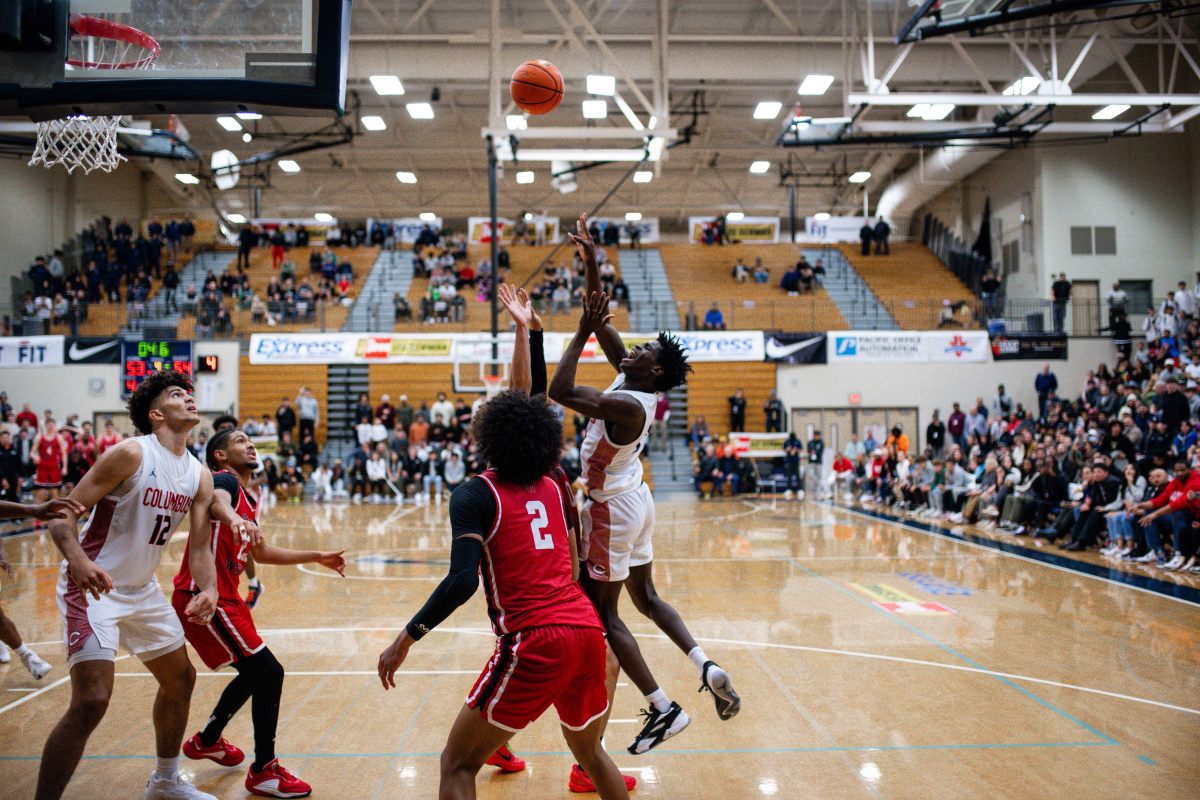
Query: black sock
x=232 y=699
x=268 y=688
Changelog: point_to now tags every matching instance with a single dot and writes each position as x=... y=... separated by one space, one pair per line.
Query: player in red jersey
x=254 y=587
x=509 y=525
x=230 y=638
x=49 y=452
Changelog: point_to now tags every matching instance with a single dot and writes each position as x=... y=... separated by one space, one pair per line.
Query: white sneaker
x=1148 y=558
x=1108 y=551
x=356 y=499
x=1174 y=563
x=177 y=788
x=4 y=656
x=787 y=495
x=1125 y=551
x=37 y=666
x=800 y=495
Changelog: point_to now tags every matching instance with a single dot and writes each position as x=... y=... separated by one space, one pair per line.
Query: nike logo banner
x=93 y=351
x=795 y=348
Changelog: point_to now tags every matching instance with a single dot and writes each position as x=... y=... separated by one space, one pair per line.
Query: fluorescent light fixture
x=860 y=177
x=759 y=167
x=630 y=155
x=821 y=216
x=323 y=216
x=387 y=84
x=529 y=216
x=595 y=109
x=1110 y=112
x=633 y=216
x=374 y=123
x=186 y=177
x=289 y=166
x=406 y=177
x=1022 y=86
x=247 y=138
x=815 y=84
x=420 y=110
x=643 y=176
x=525 y=176
x=236 y=219
x=938 y=111
x=735 y=216
x=249 y=115
x=653 y=122
x=768 y=109
x=918 y=111
x=516 y=122
x=229 y=123
x=427 y=216
x=602 y=84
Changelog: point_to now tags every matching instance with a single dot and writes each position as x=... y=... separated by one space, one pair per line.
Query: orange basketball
x=537 y=87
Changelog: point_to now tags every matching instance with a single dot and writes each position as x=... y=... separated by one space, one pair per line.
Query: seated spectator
x=805 y=276
x=790 y=282
x=740 y=272
x=403 y=310
x=761 y=273
x=714 y=320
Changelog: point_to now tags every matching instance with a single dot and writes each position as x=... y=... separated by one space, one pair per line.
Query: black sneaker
x=727 y=700
x=660 y=726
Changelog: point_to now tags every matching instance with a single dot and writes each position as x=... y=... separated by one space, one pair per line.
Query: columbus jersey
x=229 y=549
x=612 y=469
x=526 y=563
x=128 y=529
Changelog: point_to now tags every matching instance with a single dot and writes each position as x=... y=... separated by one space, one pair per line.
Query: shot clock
x=140 y=359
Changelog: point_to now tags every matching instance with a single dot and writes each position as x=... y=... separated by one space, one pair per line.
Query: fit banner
x=1029 y=347
x=31 y=351
x=795 y=348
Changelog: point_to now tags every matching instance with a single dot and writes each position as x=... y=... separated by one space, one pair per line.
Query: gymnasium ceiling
x=723 y=57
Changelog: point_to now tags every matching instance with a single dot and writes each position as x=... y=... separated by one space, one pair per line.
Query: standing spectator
x=285 y=418
x=1045 y=384
x=403 y=413
x=173 y=234
x=882 y=232
x=247 y=240
x=1061 y=293
x=662 y=414
x=1003 y=404
x=989 y=292
x=187 y=229
x=386 y=411
x=956 y=426
x=935 y=436
x=10 y=468
x=737 y=411
x=442 y=408
x=713 y=319
x=309 y=411
x=1118 y=300
x=278 y=248
x=1122 y=332
x=635 y=235
x=816 y=457
x=773 y=410
x=1185 y=302
x=170 y=285
x=865 y=234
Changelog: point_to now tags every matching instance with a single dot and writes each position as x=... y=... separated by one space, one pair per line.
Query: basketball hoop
x=492 y=385
x=91 y=142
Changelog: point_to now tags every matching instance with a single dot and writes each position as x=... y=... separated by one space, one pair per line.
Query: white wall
x=927 y=387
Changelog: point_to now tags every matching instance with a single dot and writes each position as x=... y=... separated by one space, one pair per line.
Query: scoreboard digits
x=141 y=359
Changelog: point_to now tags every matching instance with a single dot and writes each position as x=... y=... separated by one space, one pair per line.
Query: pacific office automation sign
x=432 y=348
x=31 y=351
x=911 y=347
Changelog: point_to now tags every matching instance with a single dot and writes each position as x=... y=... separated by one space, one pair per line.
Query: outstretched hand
x=584 y=244
x=521 y=312
x=57 y=508
x=595 y=313
x=334 y=561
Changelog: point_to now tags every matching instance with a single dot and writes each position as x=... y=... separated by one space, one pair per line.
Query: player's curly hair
x=518 y=435
x=672 y=357
x=149 y=390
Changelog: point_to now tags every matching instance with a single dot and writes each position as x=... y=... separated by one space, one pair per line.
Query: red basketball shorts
x=228 y=637
x=541 y=667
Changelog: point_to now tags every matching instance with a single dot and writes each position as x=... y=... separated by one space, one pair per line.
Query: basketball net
x=80 y=140
x=492 y=385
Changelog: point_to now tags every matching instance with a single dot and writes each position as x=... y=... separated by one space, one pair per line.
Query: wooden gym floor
x=874 y=660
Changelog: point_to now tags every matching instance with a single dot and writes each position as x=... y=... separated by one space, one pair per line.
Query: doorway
x=836 y=425
x=1085 y=308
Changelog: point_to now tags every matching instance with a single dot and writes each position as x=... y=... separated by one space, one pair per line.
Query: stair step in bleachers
x=911 y=283
x=260 y=388
x=373 y=309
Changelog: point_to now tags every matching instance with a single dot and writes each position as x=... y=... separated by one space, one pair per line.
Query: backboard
x=216 y=56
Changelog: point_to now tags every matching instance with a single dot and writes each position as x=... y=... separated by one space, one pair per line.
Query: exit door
x=836 y=425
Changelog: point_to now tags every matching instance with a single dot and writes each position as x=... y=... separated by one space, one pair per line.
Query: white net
x=89 y=143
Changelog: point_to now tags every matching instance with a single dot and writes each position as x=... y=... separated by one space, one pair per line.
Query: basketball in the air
x=537 y=87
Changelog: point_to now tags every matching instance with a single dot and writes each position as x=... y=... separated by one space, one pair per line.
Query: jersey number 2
x=541 y=540
x=162 y=528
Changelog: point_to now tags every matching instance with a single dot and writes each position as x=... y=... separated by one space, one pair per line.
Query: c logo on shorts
x=74 y=638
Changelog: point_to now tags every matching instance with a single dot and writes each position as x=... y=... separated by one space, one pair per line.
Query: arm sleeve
x=537 y=363
x=472 y=511
x=227 y=483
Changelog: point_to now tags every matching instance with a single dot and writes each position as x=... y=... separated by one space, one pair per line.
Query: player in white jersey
x=618 y=518
x=139 y=491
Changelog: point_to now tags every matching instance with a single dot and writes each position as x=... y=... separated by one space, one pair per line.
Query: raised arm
x=608 y=337
x=51 y=509
x=519 y=376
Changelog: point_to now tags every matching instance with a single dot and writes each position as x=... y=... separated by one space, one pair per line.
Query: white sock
x=696 y=654
x=23 y=649
x=658 y=698
x=167 y=768
x=253 y=583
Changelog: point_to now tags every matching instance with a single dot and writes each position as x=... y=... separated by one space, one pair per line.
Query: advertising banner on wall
x=1029 y=346
x=758 y=445
x=794 y=348
x=31 y=351
x=647 y=227
x=835 y=229
x=916 y=347
x=88 y=350
x=748 y=229
x=318 y=231
x=479 y=229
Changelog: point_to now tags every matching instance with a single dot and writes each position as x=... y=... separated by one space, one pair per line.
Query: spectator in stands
x=989 y=293
x=761 y=273
x=1060 y=293
x=442 y=408
x=816 y=458
x=309 y=412
x=897 y=442
x=691 y=320
x=706 y=472
x=286 y=447
x=386 y=411
x=790 y=282
x=658 y=429
x=714 y=320
x=290 y=485
x=403 y=413
x=698 y=434
x=865 y=235
x=881 y=233
x=956 y=425
x=805 y=276
x=935 y=436
x=774 y=412
x=740 y=272
x=793 y=466
x=737 y=410
x=308 y=454
x=285 y=418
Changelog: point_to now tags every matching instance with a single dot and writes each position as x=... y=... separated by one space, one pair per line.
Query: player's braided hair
x=219 y=441
x=518 y=435
x=672 y=357
x=149 y=390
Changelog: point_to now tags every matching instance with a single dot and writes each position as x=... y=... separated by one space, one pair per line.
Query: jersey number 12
x=541 y=540
x=162 y=529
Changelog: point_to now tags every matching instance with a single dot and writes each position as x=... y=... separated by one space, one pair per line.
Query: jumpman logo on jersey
x=153 y=471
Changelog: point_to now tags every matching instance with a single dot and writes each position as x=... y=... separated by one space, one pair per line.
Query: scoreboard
x=140 y=359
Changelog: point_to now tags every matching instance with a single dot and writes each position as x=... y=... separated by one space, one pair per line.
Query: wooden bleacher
x=702 y=274
x=712 y=384
x=260 y=389
x=105 y=319
x=912 y=283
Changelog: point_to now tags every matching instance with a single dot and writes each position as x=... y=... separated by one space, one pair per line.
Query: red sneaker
x=275 y=781
x=506 y=761
x=222 y=752
x=579 y=781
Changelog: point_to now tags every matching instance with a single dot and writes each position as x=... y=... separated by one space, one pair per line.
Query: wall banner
x=479 y=229
x=1029 y=346
x=88 y=350
x=835 y=229
x=31 y=351
x=748 y=229
x=914 y=347
x=758 y=445
x=795 y=348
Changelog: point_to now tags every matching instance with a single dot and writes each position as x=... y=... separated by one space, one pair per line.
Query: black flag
x=983 y=244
